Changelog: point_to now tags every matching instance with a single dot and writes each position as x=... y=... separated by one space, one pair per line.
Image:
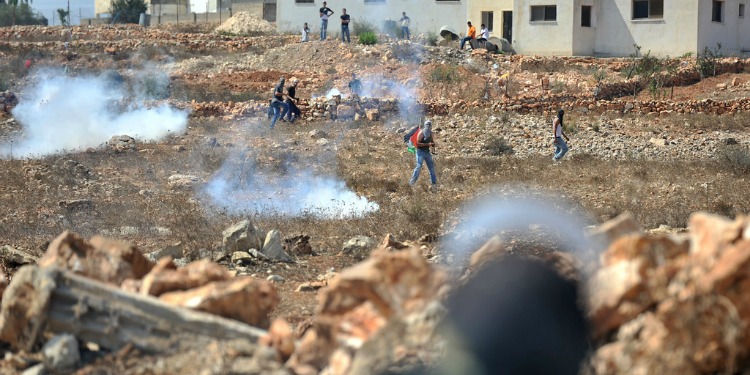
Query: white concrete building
x=426 y=15
x=612 y=27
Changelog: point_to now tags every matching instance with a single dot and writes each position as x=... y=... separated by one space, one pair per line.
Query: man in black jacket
x=292 y=100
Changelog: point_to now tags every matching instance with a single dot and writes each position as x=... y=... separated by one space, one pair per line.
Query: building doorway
x=508 y=26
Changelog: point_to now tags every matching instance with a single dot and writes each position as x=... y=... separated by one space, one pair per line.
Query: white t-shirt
x=558 y=129
x=304 y=35
x=484 y=33
x=405 y=21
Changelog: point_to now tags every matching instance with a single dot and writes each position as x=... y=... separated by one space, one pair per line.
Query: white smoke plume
x=61 y=113
x=240 y=187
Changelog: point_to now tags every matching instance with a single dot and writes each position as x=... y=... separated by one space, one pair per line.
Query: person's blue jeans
x=560 y=148
x=323 y=29
x=279 y=111
x=424 y=156
x=464 y=40
x=405 y=32
x=345 y=34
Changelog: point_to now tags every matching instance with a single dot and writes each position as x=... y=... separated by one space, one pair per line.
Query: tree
x=64 y=16
x=14 y=4
x=21 y=14
x=128 y=11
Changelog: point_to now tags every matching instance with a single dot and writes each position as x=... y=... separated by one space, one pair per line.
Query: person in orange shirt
x=471 y=35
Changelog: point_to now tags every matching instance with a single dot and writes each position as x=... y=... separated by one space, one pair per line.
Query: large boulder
x=244 y=299
x=358 y=246
x=102 y=259
x=273 y=248
x=241 y=236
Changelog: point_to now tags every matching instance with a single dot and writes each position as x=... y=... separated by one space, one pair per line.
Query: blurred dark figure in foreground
x=514 y=316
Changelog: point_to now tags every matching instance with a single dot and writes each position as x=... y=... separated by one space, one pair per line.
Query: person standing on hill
x=424 y=142
x=405 y=23
x=472 y=34
x=557 y=130
x=325 y=12
x=277 y=103
x=305 y=32
x=345 y=19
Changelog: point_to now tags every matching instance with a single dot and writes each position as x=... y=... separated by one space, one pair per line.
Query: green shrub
x=128 y=11
x=445 y=74
x=362 y=26
x=705 y=62
x=368 y=38
x=432 y=38
x=24 y=15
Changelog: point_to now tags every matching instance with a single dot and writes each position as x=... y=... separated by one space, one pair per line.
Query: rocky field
x=141 y=182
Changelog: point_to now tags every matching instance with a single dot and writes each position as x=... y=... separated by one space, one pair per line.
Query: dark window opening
x=487 y=18
x=648 y=9
x=586 y=16
x=717 y=11
x=544 y=13
x=742 y=10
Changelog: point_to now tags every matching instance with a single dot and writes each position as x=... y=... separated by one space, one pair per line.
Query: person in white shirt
x=484 y=34
x=561 y=147
x=325 y=12
x=305 y=32
x=405 y=22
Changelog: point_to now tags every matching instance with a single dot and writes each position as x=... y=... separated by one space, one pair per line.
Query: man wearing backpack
x=424 y=141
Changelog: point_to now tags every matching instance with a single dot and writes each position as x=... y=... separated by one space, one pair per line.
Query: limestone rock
x=358 y=246
x=174 y=251
x=102 y=259
x=616 y=295
x=164 y=279
x=280 y=337
x=17 y=257
x=273 y=249
x=61 y=353
x=298 y=245
x=245 y=299
x=344 y=111
x=183 y=181
x=122 y=143
x=241 y=236
x=609 y=231
x=492 y=249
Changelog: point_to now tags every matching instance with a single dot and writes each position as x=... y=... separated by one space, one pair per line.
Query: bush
x=497 y=146
x=368 y=38
x=362 y=26
x=432 y=38
x=735 y=158
x=705 y=62
x=445 y=74
x=128 y=11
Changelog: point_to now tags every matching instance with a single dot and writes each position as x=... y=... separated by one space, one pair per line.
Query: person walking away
x=325 y=12
x=469 y=36
x=277 y=103
x=484 y=34
x=292 y=100
x=557 y=130
x=305 y=33
x=424 y=142
x=345 y=19
x=405 y=23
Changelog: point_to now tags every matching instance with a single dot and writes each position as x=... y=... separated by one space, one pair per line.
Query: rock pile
x=244 y=23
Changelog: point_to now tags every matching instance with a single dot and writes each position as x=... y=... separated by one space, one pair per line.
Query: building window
x=586 y=16
x=742 y=10
x=717 y=12
x=374 y=1
x=544 y=13
x=487 y=18
x=648 y=9
x=447 y=1
x=304 y=1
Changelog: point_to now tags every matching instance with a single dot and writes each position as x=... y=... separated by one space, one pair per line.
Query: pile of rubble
x=658 y=302
x=244 y=23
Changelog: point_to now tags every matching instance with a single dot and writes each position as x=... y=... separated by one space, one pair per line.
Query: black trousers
x=293 y=109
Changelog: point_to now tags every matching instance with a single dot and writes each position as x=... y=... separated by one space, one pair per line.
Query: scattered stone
x=660 y=142
x=358 y=246
x=16 y=257
x=183 y=181
x=298 y=245
x=609 y=231
x=61 y=353
x=242 y=258
x=276 y=279
x=310 y=286
x=121 y=143
x=37 y=369
x=280 y=337
x=317 y=134
x=165 y=278
x=175 y=251
x=390 y=243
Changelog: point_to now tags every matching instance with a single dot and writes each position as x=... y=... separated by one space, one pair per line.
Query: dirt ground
x=130 y=198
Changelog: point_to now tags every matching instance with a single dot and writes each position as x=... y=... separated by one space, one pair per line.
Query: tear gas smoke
x=60 y=113
x=241 y=188
x=519 y=214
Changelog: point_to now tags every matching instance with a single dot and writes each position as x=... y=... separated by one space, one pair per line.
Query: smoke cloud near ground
x=60 y=113
x=241 y=187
